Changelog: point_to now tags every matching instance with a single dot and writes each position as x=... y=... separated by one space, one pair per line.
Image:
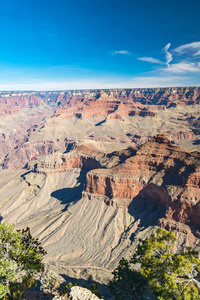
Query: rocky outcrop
x=59 y=163
x=19 y=157
x=157 y=171
x=13 y=104
x=180 y=134
x=164 y=97
x=15 y=132
x=81 y=156
x=104 y=106
x=79 y=293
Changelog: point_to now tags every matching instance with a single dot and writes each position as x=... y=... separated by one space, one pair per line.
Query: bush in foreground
x=20 y=258
x=169 y=275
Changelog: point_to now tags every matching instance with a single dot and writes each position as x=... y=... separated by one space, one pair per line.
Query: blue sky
x=77 y=44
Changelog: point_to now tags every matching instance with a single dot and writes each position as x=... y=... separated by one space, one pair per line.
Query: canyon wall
x=158 y=172
x=82 y=170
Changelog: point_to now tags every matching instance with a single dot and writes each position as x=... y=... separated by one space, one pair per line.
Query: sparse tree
x=127 y=283
x=94 y=289
x=170 y=275
x=20 y=258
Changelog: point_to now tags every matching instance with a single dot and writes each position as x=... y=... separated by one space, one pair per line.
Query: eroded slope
x=89 y=219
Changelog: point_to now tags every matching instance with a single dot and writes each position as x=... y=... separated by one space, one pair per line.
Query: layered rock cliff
x=156 y=171
x=89 y=201
x=90 y=208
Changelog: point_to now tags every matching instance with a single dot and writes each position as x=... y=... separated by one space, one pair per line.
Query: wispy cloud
x=194 y=48
x=151 y=60
x=184 y=67
x=183 y=71
x=185 y=60
x=168 y=55
x=123 y=52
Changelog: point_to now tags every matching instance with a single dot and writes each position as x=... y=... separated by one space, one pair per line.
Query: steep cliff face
x=16 y=130
x=59 y=163
x=21 y=114
x=159 y=172
x=154 y=96
x=104 y=106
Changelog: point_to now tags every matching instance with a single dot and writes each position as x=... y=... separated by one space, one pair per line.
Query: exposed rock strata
x=12 y=105
x=86 y=226
x=87 y=230
x=112 y=117
x=63 y=162
x=31 y=151
x=17 y=125
x=158 y=171
x=79 y=293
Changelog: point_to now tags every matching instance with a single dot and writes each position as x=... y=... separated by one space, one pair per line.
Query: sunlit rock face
x=156 y=171
x=93 y=173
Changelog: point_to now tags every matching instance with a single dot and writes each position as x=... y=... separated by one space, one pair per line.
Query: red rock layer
x=100 y=107
x=30 y=151
x=67 y=162
x=12 y=105
x=103 y=105
x=84 y=156
x=132 y=99
x=158 y=171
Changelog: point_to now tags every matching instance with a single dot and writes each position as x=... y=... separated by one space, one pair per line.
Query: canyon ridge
x=94 y=172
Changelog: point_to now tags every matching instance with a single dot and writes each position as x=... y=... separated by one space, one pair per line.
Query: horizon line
x=103 y=89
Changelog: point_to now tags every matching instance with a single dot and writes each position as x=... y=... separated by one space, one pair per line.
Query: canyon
x=93 y=172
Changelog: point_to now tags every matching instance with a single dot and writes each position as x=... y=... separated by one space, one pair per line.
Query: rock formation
x=155 y=171
x=82 y=170
x=79 y=293
x=20 y=117
x=90 y=208
x=45 y=123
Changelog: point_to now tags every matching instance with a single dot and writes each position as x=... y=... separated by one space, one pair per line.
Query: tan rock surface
x=86 y=230
x=79 y=293
x=87 y=225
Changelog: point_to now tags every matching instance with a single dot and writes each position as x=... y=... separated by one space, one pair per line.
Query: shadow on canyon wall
x=146 y=209
x=35 y=292
x=197 y=142
x=174 y=177
x=71 y=194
